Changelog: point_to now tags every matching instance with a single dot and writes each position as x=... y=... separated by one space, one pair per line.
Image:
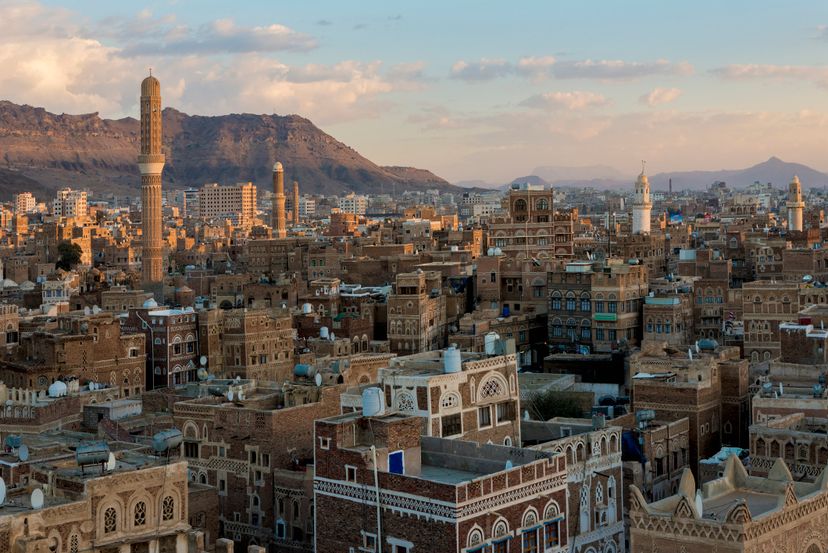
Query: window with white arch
x=450 y=401
x=405 y=402
x=475 y=538
x=492 y=387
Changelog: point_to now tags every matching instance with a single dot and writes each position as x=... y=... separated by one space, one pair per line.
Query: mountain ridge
x=86 y=150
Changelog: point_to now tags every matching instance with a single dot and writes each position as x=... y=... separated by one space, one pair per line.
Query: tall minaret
x=279 y=200
x=151 y=163
x=642 y=206
x=795 y=205
x=295 y=203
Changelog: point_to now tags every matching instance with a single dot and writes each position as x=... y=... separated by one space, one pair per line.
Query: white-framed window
x=350 y=473
x=369 y=542
x=324 y=443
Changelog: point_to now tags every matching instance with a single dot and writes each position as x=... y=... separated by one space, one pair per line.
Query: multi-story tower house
x=416 y=312
x=151 y=164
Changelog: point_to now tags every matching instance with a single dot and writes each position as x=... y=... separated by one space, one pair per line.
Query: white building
x=642 y=206
x=307 y=208
x=237 y=203
x=24 y=203
x=352 y=203
x=70 y=203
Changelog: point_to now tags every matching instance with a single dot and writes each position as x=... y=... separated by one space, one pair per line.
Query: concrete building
x=236 y=203
x=24 y=203
x=69 y=203
x=151 y=164
x=435 y=494
x=354 y=204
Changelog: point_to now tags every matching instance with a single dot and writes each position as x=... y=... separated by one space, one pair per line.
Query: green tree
x=69 y=255
x=547 y=405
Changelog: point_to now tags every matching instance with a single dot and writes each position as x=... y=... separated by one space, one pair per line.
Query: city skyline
x=490 y=93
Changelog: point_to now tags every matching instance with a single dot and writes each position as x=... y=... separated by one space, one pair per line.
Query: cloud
x=324 y=22
x=659 y=96
x=574 y=101
x=224 y=36
x=619 y=69
x=817 y=74
x=413 y=71
x=482 y=70
x=543 y=67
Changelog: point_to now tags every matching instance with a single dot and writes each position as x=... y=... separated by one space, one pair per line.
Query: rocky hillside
x=43 y=151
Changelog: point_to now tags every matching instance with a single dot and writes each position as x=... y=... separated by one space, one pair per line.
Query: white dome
x=57 y=389
x=277 y=167
x=9 y=283
x=27 y=285
x=150 y=304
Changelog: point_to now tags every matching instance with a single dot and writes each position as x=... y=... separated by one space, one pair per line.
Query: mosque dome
x=150 y=87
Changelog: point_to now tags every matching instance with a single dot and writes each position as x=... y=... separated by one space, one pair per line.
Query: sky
x=468 y=89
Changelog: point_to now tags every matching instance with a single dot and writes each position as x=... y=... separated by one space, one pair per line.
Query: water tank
x=57 y=389
x=13 y=441
x=323 y=333
x=490 y=251
x=498 y=251
x=490 y=341
x=451 y=360
x=307 y=308
x=166 y=440
x=373 y=402
x=303 y=370
x=92 y=453
x=708 y=344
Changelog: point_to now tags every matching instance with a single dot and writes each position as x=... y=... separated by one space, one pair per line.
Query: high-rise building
x=151 y=164
x=69 y=203
x=279 y=200
x=24 y=203
x=237 y=203
x=642 y=206
x=795 y=205
x=353 y=203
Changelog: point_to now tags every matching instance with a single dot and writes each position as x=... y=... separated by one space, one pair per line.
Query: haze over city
x=469 y=90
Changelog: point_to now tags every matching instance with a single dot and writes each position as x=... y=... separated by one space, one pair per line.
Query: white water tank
x=57 y=389
x=451 y=360
x=307 y=308
x=490 y=340
x=373 y=402
x=323 y=333
x=490 y=251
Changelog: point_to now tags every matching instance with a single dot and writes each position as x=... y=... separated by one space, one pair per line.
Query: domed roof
x=9 y=283
x=150 y=87
x=27 y=285
x=150 y=304
x=57 y=389
x=277 y=167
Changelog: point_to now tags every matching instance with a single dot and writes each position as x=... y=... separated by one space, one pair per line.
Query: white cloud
x=659 y=96
x=619 y=69
x=482 y=70
x=574 y=101
x=535 y=68
x=817 y=74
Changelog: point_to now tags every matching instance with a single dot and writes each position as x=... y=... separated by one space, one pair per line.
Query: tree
x=547 y=405
x=69 y=255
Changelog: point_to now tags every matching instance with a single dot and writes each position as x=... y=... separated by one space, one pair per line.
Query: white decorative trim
x=153 y=168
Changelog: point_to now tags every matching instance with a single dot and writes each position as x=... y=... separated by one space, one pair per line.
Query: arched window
x=405 y=402
x=542 y=204
x=611 y=511
x=584 y=508
x=530 y=518
x=491 y=388
x=74 y=544
x=520 y=205
x=110 y=520
x=140 y=518
x=500 y=529
x=450 y=401
x=168 y=508
x=475 y=538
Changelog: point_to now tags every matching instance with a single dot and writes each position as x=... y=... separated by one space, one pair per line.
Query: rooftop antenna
x=150 y=70
x=643 y=165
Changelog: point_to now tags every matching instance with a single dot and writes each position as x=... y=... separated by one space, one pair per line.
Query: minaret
x=295 y=203
x=795 y=205
x=642 y=206
x=151 y=163
x=279 y=200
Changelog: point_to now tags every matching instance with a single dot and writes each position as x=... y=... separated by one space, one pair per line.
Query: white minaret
x=642 y=206
x=795 y=205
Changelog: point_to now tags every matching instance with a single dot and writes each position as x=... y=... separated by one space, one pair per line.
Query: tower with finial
x=151 y=164
x=642 y=206
x=795 y=205
x=279 y=223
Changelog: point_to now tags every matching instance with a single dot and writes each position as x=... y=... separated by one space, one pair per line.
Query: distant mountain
x=774 y=170
x=530 y=179
x=590 y=172
x=478 y=183
x=86 y=151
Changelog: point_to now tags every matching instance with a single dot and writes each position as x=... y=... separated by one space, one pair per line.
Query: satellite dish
x=2 y=491
x=23 y=453
x=202 y=360
x=110 y=463
x=318 y=379
x=229 y=395
x=37 y=499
